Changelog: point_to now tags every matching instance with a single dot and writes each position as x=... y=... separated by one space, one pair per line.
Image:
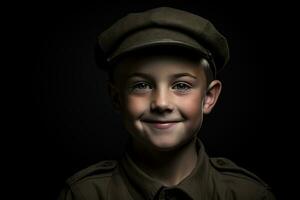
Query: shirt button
x=169 y=194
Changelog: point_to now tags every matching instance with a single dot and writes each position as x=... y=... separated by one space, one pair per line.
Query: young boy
x=162 y=65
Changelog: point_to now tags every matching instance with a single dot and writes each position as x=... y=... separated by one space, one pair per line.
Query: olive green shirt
x=212 y=178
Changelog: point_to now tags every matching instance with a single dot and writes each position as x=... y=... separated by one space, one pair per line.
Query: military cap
x=164 y=26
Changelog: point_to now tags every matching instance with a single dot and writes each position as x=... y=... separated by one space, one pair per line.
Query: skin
x=162 y=100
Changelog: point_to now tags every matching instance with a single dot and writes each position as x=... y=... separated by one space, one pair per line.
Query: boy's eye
x=181 y=86
x=141 y=87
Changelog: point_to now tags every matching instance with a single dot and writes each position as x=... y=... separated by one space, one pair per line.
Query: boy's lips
x=162 y=124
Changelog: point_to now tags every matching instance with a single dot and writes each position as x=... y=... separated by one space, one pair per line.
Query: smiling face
x=162 y=99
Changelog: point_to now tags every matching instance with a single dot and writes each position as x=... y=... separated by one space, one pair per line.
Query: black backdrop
x=69 y=121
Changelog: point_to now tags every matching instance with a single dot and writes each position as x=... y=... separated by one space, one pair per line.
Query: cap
x=166 y=27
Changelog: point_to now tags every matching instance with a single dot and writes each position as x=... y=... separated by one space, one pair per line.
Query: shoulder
x=100 y=170
x=228 y=168
x=90 y=183
x=235 y=180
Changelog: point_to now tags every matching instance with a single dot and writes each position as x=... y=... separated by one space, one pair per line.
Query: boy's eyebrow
x=183 y=74
x=147 y=76
x=143 y=75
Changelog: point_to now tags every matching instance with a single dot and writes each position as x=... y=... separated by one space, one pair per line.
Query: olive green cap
x=164 y=26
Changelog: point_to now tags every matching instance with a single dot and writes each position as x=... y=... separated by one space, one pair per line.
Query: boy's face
x=162 y=99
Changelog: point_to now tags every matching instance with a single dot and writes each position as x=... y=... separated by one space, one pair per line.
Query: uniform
x=212 y=178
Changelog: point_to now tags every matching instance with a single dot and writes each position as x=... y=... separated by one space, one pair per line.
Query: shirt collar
x=196 y=185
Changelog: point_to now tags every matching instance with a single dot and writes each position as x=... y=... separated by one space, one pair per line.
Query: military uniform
x=211 y=179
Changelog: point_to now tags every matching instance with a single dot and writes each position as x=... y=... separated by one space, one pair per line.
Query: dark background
x=67 y=121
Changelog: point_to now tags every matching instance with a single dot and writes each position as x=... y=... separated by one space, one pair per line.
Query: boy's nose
x=161 y=102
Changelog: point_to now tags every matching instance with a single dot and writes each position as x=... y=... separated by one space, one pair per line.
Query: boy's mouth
x=164 y=125
x=161 y=124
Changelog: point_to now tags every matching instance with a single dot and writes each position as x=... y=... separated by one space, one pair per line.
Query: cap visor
x=154 y=37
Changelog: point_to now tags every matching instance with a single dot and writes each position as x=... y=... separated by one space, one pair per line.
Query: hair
x=176 y=51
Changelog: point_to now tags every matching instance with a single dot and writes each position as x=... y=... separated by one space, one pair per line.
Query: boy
x=162 y=65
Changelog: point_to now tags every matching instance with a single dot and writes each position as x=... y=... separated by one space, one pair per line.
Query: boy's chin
x=167 y=145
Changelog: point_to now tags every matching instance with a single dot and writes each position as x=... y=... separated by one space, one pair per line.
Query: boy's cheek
x=191 y=107
x=192 y=111
x=135 y=105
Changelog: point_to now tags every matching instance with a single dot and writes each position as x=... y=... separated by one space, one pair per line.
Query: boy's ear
x=114 y=95
x=211 y=96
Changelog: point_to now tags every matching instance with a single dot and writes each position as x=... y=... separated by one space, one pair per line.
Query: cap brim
x=154 y=37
